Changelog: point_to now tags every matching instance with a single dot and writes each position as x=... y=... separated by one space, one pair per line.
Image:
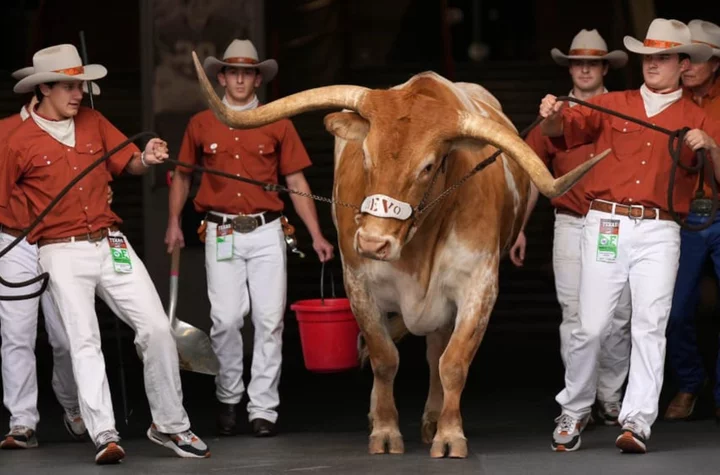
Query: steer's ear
x=347 y=125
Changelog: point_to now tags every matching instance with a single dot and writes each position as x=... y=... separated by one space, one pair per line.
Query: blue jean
x=682 y=349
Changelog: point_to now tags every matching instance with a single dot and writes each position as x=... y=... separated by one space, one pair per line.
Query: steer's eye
x=428 y=168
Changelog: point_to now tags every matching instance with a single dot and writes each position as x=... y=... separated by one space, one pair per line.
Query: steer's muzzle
x=378 y=247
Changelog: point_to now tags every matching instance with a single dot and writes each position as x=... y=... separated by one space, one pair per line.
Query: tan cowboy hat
x=59 y=63
x=669 y=36
x=25 y=72
x=590 y=45
x=241 y=54
x=704 y=32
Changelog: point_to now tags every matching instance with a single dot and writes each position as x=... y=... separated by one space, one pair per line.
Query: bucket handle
x=322 y=284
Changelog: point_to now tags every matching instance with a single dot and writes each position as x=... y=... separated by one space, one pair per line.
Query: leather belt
x=243 y=223
x=91 y=237
x=631 y=211
x=11 y=231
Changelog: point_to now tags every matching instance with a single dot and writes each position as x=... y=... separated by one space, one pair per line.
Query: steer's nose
x=372 y=246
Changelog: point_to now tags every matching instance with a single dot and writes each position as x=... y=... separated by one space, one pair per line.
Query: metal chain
x=320 y=198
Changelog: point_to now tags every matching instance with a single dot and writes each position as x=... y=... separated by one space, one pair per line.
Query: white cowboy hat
x=669 y=36
x=590 y=45
x=704 y=32
x=25 y=72
x=241 y=54
x=59 y=63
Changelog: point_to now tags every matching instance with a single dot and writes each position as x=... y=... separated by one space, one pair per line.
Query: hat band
x=587 y=52
x=240 y=60
x=706 y=43
x=660 y=44
x=71 y=71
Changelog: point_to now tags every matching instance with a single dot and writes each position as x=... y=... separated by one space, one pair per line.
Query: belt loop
x=614 y=205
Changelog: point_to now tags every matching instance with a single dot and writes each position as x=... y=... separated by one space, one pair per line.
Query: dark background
x=371 y=43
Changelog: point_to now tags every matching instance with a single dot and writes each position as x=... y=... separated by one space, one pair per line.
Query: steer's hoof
x=453 y=445
x=386 y=442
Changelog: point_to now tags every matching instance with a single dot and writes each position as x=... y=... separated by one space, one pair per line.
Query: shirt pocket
x=626 y=137
x=213 y=151
x=87 y=154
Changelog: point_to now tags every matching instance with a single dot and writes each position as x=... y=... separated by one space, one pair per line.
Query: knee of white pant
x=154 y=331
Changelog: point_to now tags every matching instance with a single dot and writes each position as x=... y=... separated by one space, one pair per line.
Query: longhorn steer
x=439 y=270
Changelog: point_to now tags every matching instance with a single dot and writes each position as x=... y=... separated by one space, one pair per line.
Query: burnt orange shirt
x=41 y=167
x=260 y=154
x=637 y=170
x=710 y=103
x=16 y=214
x=561 y=161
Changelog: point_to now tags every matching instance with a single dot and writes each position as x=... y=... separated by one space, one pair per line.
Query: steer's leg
x=436 y=343
x=472 y=319
x=385 y=434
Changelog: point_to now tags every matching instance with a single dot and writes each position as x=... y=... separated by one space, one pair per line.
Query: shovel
x=194 y=349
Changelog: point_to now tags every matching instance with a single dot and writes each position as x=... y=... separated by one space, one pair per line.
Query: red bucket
x=328 y=333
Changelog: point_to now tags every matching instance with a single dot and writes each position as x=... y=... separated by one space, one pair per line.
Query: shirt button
x=237 y=156
x=81 y=188
x=630 y=199
x=643 y=162
x=239 y=194
x=624 y=130
x=68 y=150
x=86 y=208
x=91 y=151
x=237 y=138
x=592 y=155
x=74 y=168
x=89 y=226
x=237 y=174
x=637 y=181
x=648 y=144
x=48 y=162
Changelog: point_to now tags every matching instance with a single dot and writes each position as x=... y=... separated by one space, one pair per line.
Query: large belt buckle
x=244 y=224
x=642 y=212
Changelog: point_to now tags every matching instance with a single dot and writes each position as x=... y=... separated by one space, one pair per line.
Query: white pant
x=77 y=271
x=18 y=328
x=256 y=274
x=615 y=348
x=648 y=256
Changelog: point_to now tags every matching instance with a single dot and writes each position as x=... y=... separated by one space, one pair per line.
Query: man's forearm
x=179 y=191
x=552 y=127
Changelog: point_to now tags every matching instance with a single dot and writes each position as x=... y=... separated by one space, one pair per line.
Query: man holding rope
x=84 y=252
x=588 y=62
x=702 y=85
x=629 y=234
x=18 y=322
x=245 y=250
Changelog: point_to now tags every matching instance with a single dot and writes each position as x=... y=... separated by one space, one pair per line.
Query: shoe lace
x=633 y=427
x=106 y=437
x=187 y=437
x=567 y=423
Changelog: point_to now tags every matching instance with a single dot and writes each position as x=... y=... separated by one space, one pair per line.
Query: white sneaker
x=19 y=437
x=74 y=423
x=108 y=449
x=566 y=437
x=185 y=444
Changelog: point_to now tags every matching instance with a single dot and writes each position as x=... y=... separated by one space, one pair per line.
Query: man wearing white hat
x=245 y=251
x=83 y=250
x=701 y=84
x=588 y=61
x=628 y=234
x=18 y=325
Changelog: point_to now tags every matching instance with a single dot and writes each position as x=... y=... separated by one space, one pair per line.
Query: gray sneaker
x=74 y=423
x=19 y=437
x=566 y=437
x=608 y=412
x=185 y=444
x=108 y=449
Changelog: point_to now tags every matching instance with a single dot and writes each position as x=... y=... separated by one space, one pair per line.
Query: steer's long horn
x=477 y=127
x=343 y=96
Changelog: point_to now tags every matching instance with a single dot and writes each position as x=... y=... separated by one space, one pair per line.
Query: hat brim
x=267 y=68
x=616 y=59
x=698 y=53
x=25 y=72
x=92 y=72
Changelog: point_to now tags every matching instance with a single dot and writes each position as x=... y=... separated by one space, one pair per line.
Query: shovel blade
x=194 y=349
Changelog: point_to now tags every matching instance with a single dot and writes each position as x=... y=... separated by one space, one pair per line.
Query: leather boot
x=226 y=421
x=263 y=428
x=681 y=407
